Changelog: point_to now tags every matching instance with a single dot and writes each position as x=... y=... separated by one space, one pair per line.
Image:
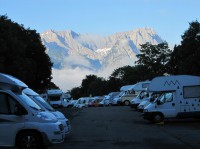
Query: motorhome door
x=9 y=121
x=166 y=104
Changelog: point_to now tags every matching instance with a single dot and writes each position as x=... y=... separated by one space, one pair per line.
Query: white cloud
x=76 y=60
x=68 y=78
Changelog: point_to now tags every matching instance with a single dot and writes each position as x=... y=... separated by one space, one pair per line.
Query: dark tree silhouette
x=22 y=55
x=185 y=57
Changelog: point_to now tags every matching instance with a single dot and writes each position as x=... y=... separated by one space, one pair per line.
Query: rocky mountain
x=68 y=49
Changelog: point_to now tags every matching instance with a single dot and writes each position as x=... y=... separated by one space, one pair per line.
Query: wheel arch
x=126 y=101
x=158 y=113
x=19 y=133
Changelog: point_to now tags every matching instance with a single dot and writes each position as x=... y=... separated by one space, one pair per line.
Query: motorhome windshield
x=54 y=98
x=143 y=94
x=155 y=96
x=29 y=102
x=166 y=97
x=44 y=103
x=121 y=94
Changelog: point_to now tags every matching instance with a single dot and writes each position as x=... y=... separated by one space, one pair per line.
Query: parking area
x=122 y=127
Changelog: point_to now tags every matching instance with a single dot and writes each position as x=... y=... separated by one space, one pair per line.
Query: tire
x=29 y=140
x=126 y=103
x=158 y=117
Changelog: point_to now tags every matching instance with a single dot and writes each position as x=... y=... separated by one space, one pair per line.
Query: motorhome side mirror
x=19 y=110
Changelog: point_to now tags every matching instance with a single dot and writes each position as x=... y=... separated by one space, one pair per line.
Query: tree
x=97 y=87
x=113 y=85
x=185 y=57
x=22 y=55
x=86 y=83
x=155 y=58
x=77 y=92
x=131 y=74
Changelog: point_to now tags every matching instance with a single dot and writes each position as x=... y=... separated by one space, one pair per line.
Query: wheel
x=126 y=103
x=157 y=118
x=29 y=140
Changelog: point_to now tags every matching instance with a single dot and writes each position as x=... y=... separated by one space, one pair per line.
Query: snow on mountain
x=68 y=48
x=75 y=55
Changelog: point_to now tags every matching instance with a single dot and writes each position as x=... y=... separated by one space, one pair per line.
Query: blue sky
x=169 y=18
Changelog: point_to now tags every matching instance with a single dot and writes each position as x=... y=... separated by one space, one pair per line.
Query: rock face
x=68 y=49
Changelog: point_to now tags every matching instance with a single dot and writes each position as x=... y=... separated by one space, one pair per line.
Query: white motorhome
x=180 y=98
x=140 y=87
x=147 y=101
x=117 y=99
x=128 y=93
x=107 y=101
x=29 y=124
x=57 y=98
x=39 y=100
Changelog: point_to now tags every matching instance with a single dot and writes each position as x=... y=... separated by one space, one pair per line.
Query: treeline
x=154 y=60
x=23 y=55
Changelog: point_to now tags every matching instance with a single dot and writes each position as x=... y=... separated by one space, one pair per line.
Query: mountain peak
x=94 y=49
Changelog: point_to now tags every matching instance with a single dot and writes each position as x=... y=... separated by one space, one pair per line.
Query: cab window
x=7 y=104
x=166 y=97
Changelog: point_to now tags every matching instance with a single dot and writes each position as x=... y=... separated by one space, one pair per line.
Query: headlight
x=45 y=117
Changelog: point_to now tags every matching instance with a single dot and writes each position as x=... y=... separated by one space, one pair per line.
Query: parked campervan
x=29 y=124
x=82 y=102
x=128 y=93
x=57 y=98
x=146 y=101
x=107 y=100
x=180 y=98
x=117 y=99
x=39 y=100
x=144 y=94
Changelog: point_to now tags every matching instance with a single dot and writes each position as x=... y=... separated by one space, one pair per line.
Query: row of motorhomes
x=170 y=97
x=31 y=121
x=57 y=98
x=123 y=97
x=161 y=98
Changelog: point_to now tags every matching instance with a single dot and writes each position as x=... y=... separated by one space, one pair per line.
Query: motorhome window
x=166 y=97
x=4 y=104
x=30 y=102
x=54 y=98
x=131 y=92
x=121 y=94
x=155 y=96
x=7 y=104
x=191 y=91
x=44 y=103
x=145 y=85
x=143 y=94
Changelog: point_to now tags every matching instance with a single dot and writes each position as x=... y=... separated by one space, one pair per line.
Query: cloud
x=76 y=60
x=68 y=78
